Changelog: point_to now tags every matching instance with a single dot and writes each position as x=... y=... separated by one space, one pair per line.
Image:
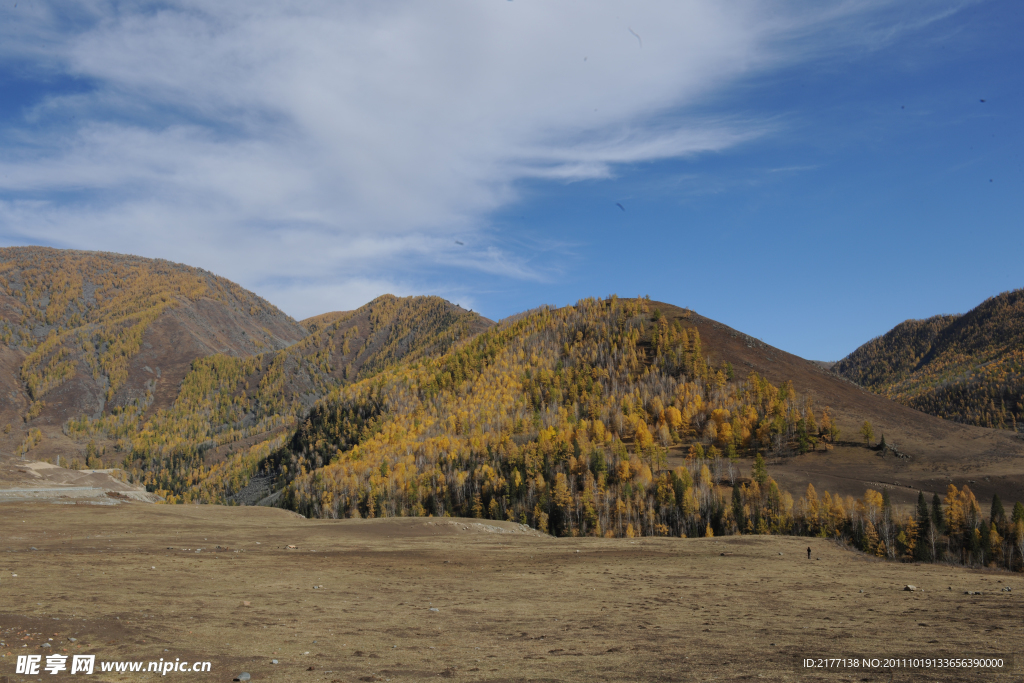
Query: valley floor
x=467 y=600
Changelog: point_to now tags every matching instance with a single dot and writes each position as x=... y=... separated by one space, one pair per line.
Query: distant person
x=808 y=552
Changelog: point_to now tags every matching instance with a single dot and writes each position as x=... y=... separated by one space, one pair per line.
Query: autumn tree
x=812 y=511
x=829 y=431
x=867 y=432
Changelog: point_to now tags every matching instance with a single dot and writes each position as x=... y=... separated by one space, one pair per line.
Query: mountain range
x=205 y=392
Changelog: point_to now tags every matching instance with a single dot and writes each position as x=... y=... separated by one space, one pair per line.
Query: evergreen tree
x=760 y=470
x=998 y=515
x=985 y=541
x=922 y=549
x=972 y=544
x=737 y=506
x=938 y=516
x=1018 y=513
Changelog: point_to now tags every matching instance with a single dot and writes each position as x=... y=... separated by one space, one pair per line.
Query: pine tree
x=998 y=514
x=922 y=549
x=907 y=538
x=985 y=541
x=938 y=516
x=737 y=506
x=1017 y=537
x=955 y=517
x=973 y=544
x=813 y=509
x=760 y=473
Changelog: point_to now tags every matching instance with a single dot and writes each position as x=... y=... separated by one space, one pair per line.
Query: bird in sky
x=620 y=206
x=459 y=243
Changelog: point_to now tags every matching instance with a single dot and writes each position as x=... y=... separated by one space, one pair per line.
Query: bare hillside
x=87 y=331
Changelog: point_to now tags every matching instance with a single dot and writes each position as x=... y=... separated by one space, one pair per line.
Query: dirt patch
x=35 y=480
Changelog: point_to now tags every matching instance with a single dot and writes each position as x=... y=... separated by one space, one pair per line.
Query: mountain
x=203 y=392
x=125 y=359
x=609 y=415
x=87 y=332
x=232 y=413
x=966 y=368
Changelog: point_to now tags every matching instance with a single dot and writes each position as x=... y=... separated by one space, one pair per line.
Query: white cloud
x=312 y=298
x=332 y=145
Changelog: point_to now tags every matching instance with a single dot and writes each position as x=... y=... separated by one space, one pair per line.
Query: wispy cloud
x=329 y=151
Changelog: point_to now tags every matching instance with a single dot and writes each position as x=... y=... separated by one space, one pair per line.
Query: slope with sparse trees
x=966 y=368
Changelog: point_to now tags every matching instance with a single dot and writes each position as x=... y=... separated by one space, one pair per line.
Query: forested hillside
x=167 y=369
x=966 y=368
x=559 y=419
x=564 y=419
x=231 y=413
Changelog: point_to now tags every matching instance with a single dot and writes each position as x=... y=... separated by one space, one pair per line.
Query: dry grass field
x=355 y=600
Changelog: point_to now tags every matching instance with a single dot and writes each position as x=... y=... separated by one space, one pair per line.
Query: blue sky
x=809 y=173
